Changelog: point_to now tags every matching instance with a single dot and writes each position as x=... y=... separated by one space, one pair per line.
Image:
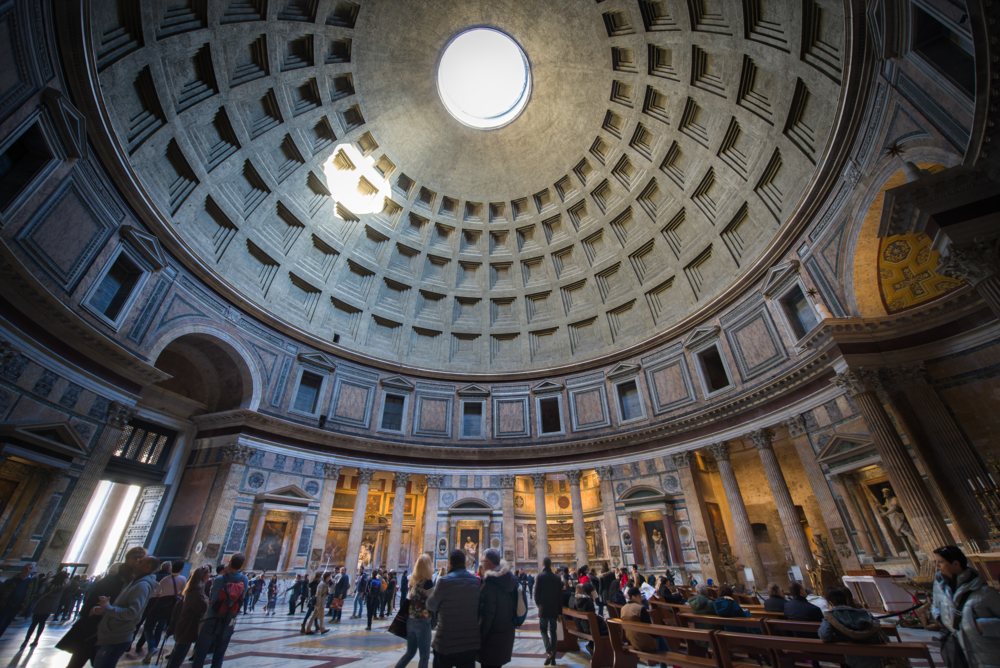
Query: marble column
x=949 y=459
x=358 y=522
x=221 y=500
x=798 y=432
x=862 y=385
x=579 y=529
x=704 y=541
x=332 y=473
x=840 y=485
x=256 y=533
x=741 y=520
x=116 y=419
x=673 y=544
x=508 y=541
x=790 y=521
x=396 y=528
x=638 y=556
x=291 y=551
x=978 y=263
x=541 y=526
x=434 y=481
x=605 y=475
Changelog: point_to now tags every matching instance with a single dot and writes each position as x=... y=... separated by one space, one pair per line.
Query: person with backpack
x=229 y=589
x=161 y=606
x=498 y=603
x=373 y=596
x=319 y=608
x=193 y=608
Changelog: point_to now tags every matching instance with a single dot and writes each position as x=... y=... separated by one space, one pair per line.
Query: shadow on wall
x=208 y=375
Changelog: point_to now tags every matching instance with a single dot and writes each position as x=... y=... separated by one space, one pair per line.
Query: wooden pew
x=787 y=652
x=619 y=643
x=602 y=657
x=750 y=624
x=781 y=627
x=614 y=610
x=670 y=633
x=666 y=610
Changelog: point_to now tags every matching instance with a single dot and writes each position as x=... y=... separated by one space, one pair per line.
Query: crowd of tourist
x=472 y=616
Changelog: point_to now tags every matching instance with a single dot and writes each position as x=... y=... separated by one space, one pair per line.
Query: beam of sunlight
x=86 y=527
x=114 y=537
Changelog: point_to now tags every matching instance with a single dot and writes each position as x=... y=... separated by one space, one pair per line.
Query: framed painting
x=271 y=539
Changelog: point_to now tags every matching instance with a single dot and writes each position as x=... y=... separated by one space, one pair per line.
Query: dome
x=304 y=164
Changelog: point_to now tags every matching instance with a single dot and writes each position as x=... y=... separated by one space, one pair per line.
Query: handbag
x=398 y=625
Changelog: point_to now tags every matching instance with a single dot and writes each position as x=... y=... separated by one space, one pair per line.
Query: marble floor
x=262 y=641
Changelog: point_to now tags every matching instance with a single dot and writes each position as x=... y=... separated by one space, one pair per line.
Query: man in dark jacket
x=373 y=596
x=798 y=609
x=455 y=599
x=531 y=584
x=548 y=598
x=497 y=609
x=404 y=585
x=15 y=593
x=340 y=591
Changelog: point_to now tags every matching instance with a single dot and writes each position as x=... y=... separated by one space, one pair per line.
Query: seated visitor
x=635 y=611
x=798 y=608
x=726 y=606
x=584 y=602
x=701 y=604
x=775 y=602
x=843 y=623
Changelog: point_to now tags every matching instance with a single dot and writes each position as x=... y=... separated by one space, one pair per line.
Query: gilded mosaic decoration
x=907 y=276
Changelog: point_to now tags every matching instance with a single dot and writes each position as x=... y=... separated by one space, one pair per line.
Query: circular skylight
x=483 y=78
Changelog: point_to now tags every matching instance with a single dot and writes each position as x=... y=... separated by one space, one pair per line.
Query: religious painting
x=468 y=542
x=344 y=500
x=374 y=504
x=335 y=550
x=408 y=506
x=656 y=543
x=271 y=538
x=718 y=526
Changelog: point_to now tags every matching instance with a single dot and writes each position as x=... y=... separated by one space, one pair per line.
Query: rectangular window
x=23 y=160
x=715 y=374
x=947 y=50
x=629 y=401
x=116 y=287
x=308 y=394
x=550 y=414
x=472 y=419
x=145 y=443
x=799 y=311
x=392 y=413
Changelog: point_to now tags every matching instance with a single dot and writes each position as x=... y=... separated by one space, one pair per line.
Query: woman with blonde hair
x=188 y=622
x=418 y=621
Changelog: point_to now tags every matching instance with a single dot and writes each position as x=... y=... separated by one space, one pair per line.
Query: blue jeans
x=547 y=625
x=359 y=605
x=153 y=631
x=107 y=656
x=217 y=631
x=418 y=637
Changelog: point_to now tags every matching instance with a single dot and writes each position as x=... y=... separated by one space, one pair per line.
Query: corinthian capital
x=574 y=477
x=399 y=479
x=605 y=473
x=796 y=426
x=119 y=415
x=538 y=479
x=435 y=479
x=720 y=451
x=973 y=262
x=858 y=381
x=331 y=471
x=683 y=460
x=761 y=438
x=365 y=476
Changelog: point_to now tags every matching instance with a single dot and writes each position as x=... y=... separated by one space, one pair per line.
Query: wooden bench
x=602 y=656
x=614 y=610
x=674 y=636
x=750 y=624
x=788 y=652
x=784 y=627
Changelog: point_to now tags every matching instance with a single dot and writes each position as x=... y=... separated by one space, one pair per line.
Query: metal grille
x=144 y=443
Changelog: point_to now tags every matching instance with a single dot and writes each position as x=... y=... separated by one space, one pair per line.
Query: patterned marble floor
x=262 y=641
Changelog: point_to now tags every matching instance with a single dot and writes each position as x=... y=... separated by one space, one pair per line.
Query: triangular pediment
x=473 y=391
x=147 y=245
x=777 y=276
x=69 y=122
x=397 y=383
x=700 y=335
x=547 y=386
x=623 y=369
x=318 y=360
x=56 y=438
x=288 y=495
x=845 y=446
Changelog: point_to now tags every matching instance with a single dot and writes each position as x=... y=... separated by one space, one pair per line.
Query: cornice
x=73 y=27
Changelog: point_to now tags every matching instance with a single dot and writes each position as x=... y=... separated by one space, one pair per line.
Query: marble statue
x=365 y=555
x=893 y=512
x=660 y=548
x=471 y=550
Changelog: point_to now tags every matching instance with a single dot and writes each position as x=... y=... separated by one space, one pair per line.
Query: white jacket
x=982 y=606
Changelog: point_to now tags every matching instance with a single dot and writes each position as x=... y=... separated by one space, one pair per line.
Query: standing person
x=389 y=602
x=637 y=579
x=583 y=574
x=418 y=620
x=15 y=593
x=373 y=596
x=360 y=587
x=531 y=584
x=318 y=614
x=228 y=590
x=548 y=599
x=159 y=610
x=193 y=608
x=404 y=586
x=258 y=589
x=340 y=592
x=118 y=621
x=968 y=608
x=144 y=621
x=46 y=605
x=455 y=599
x=293 y=597
x=497 y=610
